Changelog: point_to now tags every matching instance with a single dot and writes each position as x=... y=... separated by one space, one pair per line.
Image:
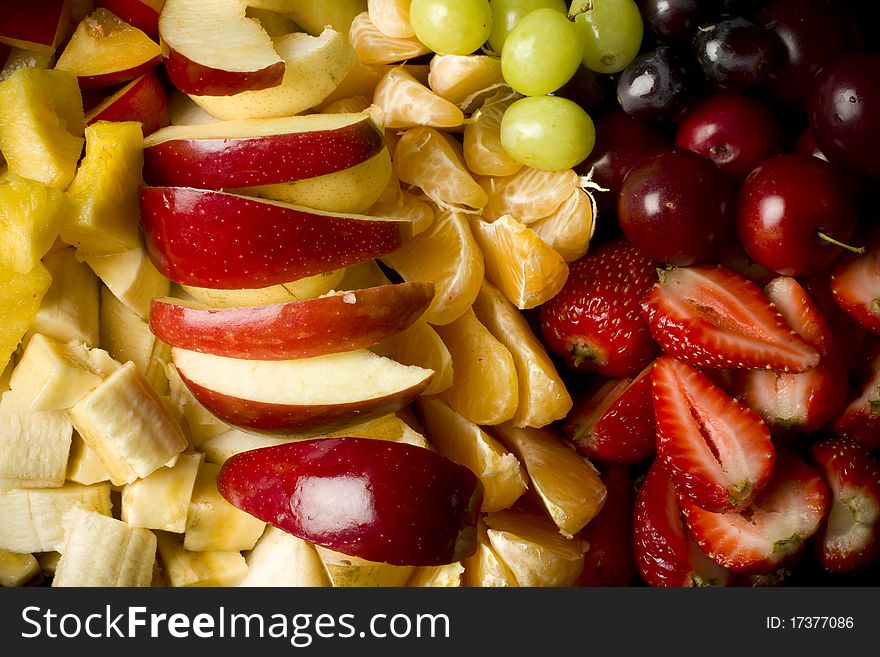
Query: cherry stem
x=842 y=245
x=588 y=6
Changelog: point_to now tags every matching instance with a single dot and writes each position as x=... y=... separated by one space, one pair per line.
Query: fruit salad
x=454 y=293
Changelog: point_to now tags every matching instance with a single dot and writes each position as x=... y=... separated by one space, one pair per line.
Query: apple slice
x=306 y=396
x=142 y=14
x=341 y=321
x=104 y=50
x=38 y=25
x=211 y=48
x=298 y=290
x=386 y=502
x=143 y=99
x=219 y=240
x=250 y=152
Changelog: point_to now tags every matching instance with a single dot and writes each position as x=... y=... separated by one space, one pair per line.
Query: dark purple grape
x=734 y=53
x=733 y=8
x=589 y=89
x=656 y=86
x=671 y=21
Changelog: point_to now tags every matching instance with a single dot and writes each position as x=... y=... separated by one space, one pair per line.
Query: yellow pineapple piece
x=20 y=297
x=104 y=194
x=29 y=216
x=41 y=125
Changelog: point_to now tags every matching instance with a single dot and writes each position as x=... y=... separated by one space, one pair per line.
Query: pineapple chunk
x=25 y=58
x=131 y=277
x=20 y=297
x=70 y=308
x=17 y=569
x=31 y=519
x=30 y=213
x=183 y=567
x=282 y=559
x=34 y=445
x=213 y=523
x=83 y=465
x=99 y=550
x=104 y=197
x=41 y=125
x=161 y=500
x=128 y=426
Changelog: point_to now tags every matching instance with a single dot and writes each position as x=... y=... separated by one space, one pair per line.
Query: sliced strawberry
x=860 y=420
x=665 y=553
x=774 y=529
x=594 y=323
x=710 y=316
x=615 y=423
x=718 y=452
x=851 y=537
x=610 y=560
x=855 y=283
x=807 y=401
x=848 y=336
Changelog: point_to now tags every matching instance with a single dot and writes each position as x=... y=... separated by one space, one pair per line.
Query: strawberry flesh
x=855 y=283
x=860 y=420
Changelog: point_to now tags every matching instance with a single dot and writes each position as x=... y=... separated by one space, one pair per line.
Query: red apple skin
x=143 y=99
x=299 y=419
x=299 y=329
x=225 y=241
x=118 y=77
x=191 y=77
x=382 y=501
x=136 y=13
x=35 y=25
x=249 y=161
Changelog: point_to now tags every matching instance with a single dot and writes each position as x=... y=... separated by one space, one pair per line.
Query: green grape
x=541 y=52
x=506 y=14
x=612 y=30
x=451 y=27
x=547 y=132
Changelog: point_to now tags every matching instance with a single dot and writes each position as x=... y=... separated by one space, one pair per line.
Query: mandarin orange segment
x=483 y=151
x=543 y=397
x=391 y=17
x=447 y=255
x=465 y=79
x=567 y=484
x=349 y=104
x=484 y=568
x=408 y=103
x=571 y=227
x=421 y=345
x=529 y=194
x=484 y=388
x=405 y=204
x=374 y=47
x=518 y=262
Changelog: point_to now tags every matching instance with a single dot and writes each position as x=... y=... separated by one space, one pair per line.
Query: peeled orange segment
x=571 y=226
x=421 y=345
x=408 y=103
x=347 y=105
x=447 y=255
x=518 y=262
x=430 y=160
x=529 y=194
x=504 y=479
x=483 y=151
x=408 y=205
x=485 y=389
x=484 y=569
x=391 y=17
x=533 y=550
x=387 y=427
x=567 y=484
x=374 y=47
x=543 y=397
x=465 y=80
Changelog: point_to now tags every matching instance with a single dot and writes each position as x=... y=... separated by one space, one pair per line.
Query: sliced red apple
x=385 y=502
x=38 y=25
x=249 y=152
x=143 y=14
x=104 y=50
x=306 y=396
x=341 y=321
x=143 y=99
x=218 y=240
x=211 y=48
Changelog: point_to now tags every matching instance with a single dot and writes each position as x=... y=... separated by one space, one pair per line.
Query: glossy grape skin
x=675 y=206
x=673 y=21
x=451 y=27
x=844 y=113
x=547 y=132
x=734 y=53
x=507 y=13
x=656 y=86
x=613 y=31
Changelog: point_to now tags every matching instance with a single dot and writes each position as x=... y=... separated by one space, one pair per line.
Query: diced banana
x=128 y=426
x=30 y=520
x=131 y=277
x=83 y=464
x=200 y=423
x=161 y=500
x=123 y=333
x=99 y=550
x=182 y=567
x=282 y=559
x=16 y=568
x=219 y=448
x=34 y=445
x=70 y=308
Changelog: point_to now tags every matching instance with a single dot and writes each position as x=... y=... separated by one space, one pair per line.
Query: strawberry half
x=807 y=401
x=860 y=420
x=855 y=283
x=774 y=529
x=664 y=551
x=610 y=560
x=849 y=539
x=615 y=423
x=594 y=323
x=710 y=316
x=717 y=451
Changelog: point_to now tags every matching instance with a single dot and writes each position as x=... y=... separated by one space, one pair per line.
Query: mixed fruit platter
x=439 y=293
